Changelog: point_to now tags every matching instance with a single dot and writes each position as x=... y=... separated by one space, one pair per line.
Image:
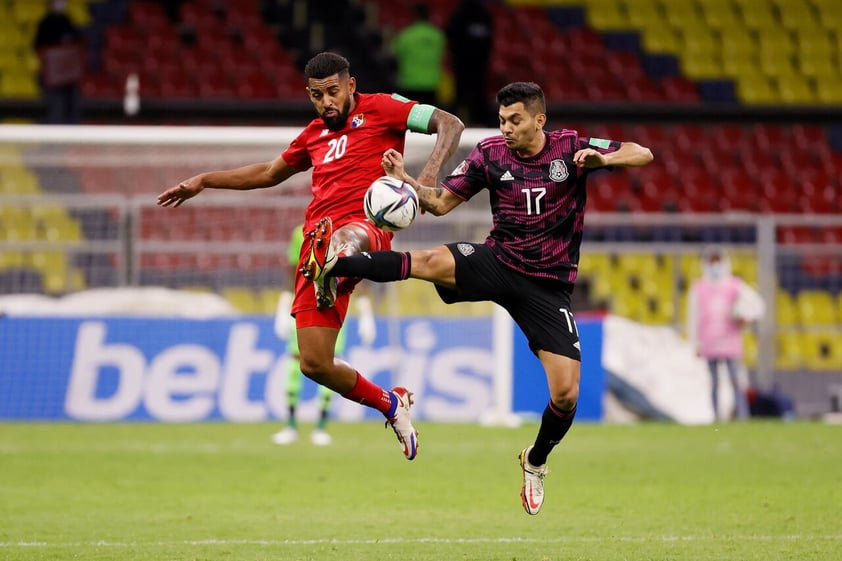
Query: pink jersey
x=347 y=161
x=717 y=333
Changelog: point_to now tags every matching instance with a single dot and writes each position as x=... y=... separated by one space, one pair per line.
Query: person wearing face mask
x=719 y=306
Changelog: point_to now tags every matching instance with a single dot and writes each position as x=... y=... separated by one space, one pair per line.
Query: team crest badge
x=358 y=120
x=558 y=171
x=461 y=168
x=465 y=249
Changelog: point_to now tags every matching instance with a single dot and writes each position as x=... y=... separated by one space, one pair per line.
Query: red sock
x=370 y=394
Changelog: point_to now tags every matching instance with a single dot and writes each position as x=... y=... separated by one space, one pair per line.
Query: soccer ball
x=390 y=204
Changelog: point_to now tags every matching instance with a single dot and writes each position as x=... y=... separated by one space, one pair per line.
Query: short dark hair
x=327 y=64
x=529 y=93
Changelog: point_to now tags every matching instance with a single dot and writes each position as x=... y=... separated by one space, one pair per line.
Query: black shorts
x=540 y=307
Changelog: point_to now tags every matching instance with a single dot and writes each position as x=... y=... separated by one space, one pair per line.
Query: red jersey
x=347 y=161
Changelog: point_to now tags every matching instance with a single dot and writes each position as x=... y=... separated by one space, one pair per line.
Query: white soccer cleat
x=320 y=437
x=402 y=424
x=286 y=436
x=532 y=492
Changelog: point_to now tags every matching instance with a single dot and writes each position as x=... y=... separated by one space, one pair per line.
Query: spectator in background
x=420 y=49
x=470 y=36
x=285 y=331
x=58 y=44
x=719 y=306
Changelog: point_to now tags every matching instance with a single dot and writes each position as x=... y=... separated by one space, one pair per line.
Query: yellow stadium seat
x=607 y=17
x=682 y=15
x=699 y=40
x=822 y=350
x=268 y=300
x=795 y=90
x=721 y=16
x=749 y=349
x=757 y=91
x=19 y=84
x=786 y=313
x=829 y=90
x=241 y=298
x=745 y=267
x=815 y=307
x=17 y=180
x=702 y=66
x=28 y=12
x=11 y=259
x=788 y=351
x=818 y=66
x=775 y=42
x=738 y=44
x=814 y=42
x=758 y=15
x=777 y=67
x=665 y=40
x=645 y=16
x=796 y=14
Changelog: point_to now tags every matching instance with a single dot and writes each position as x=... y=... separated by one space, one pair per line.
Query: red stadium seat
x=101 y=86
x=148 y=16
x=645 y=90
x=680 y=90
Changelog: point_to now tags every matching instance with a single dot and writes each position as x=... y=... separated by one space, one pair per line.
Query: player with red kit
x=344 y=145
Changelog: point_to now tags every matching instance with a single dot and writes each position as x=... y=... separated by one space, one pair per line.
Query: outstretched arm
x=630 y=154
x=253 y=176
x=435 y=200
x=448 y=130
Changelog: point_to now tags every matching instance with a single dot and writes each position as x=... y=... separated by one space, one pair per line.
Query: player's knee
x=315 y=365
x=565 y=398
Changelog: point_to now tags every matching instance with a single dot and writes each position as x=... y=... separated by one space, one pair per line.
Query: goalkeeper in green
x=285 y=330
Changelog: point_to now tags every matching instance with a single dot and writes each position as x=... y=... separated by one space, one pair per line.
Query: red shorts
x=304 y=304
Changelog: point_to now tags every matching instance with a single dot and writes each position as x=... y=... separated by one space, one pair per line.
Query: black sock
x=379 y=266
x=554 y=425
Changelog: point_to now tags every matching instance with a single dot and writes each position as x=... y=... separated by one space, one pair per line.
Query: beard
x=336 y=123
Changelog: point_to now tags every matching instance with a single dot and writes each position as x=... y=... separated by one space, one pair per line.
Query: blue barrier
x=175 y=370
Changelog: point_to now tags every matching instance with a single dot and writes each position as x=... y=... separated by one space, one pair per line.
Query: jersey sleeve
x=296 y=154
x=469 y=177
x=396 y=110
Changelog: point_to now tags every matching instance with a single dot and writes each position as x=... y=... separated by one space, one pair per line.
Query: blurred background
x=739 y=100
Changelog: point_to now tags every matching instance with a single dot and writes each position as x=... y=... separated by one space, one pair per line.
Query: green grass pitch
x=217 y=492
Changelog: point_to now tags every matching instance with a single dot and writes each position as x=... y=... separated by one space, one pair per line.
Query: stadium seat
x=815 y=308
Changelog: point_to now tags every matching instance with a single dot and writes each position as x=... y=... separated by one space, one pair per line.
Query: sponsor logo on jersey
x=558 y=171
x=461 y=168
x=358 y=120
x=507 y=176
x=465 y=249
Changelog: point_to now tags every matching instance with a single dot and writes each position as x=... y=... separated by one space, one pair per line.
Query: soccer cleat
x=402 y=425
x=322 y=259
x=532 y=492
x=320 y=437
x=286 y=436
x=322 y=256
